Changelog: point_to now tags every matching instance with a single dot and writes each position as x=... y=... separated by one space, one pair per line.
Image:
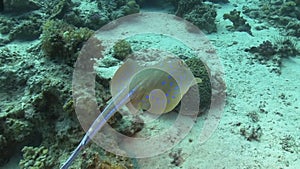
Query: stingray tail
x=106 y=114
x=75 y=153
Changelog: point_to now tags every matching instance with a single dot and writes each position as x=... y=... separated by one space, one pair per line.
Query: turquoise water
x=58 y=59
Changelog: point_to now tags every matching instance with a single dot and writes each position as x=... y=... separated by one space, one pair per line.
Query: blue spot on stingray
x=147 y=97
x=163 y=82
x=173 y=97
x=169 y=77
x=167 y=94
x=171 y=83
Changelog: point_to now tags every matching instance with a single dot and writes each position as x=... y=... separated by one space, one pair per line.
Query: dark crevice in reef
x=1 y=5
x=154 y=4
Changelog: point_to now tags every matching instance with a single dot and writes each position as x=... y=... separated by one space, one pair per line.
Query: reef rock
x=18 y=6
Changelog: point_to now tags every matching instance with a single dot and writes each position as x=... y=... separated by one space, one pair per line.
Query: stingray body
x=160 y=86
x=157 y=89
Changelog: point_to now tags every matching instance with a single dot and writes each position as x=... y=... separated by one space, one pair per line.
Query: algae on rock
x=122 y=49
x=239 y=23
x=199 y=70
x=17 y=6
x=200 y=14
x=36 y=158
x=62 y=40
x=203 y=17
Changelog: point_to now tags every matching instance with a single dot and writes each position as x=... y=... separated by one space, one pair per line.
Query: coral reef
x=265 y=49
x=131 y=7
x=121 y=49
x=290 y=8
x=60 y=8
x=88 y=16
x=37 y=112
x=200 y=14
x=293 y=28
x=25 y=26
x=62 y=40
x=99 y=159
x=28 y=30
x=14 y=128
x=92 y=15
x=287 y=48
x=6 y=25
x=199 y=71
x=35 y=158
x=14 y=131
x=239 y=23
x=33 y=104
x=10 y=72
x=283 y=14
x=127 y=125
x=184 y=7
x=203 y=17
x=272 y=54
x=118 y=8
x=18 y=6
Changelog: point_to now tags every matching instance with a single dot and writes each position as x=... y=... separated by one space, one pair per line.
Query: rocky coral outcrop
x=283 y=14
x=36 y=157
x=200 y=14
x=239 y=23
x=271 y=54
x=17 y=6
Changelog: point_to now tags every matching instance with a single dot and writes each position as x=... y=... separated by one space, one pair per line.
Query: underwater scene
x=149 y=84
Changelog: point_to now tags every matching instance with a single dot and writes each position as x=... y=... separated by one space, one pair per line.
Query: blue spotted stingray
x=157 y=89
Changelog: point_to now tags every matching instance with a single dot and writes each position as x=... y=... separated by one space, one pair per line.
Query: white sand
x=249 y=86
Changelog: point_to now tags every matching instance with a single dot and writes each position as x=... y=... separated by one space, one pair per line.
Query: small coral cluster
x=60 y=39
x=177 y=158
x=272 y=54
x=200 y=14
x=252 y=132
x=290 y=144
x=36 y=158
x=25 y=29
x=239 y=23
x=199 y=70
x=19 y=5
x=251 y=129
x=13 y=132
x=122 y=49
